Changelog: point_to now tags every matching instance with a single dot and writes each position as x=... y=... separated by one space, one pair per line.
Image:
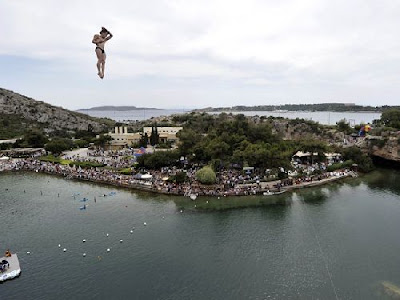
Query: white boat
x=269 y=193
x=11 y=268
x=193 y=196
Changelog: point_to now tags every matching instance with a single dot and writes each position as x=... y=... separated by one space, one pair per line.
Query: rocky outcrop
x=389 y=149
x=51 y=117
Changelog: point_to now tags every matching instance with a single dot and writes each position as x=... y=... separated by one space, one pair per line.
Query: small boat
x=193 y=197
x=9 y=267
x=269 y=193
x=83 y=207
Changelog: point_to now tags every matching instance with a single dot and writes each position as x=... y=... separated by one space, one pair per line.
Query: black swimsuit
x=102 y=50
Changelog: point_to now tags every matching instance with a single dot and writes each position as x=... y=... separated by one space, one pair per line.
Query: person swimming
x=100 y=40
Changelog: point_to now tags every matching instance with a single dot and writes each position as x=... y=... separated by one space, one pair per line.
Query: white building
x=121 y=138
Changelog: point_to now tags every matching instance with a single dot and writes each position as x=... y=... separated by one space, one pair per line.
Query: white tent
x=4 y=158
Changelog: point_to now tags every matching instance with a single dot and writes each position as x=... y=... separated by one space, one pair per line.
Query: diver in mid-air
x=100 y=40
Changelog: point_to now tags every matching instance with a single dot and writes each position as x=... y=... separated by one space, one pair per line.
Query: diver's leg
x=103 y=63
x=99 y=61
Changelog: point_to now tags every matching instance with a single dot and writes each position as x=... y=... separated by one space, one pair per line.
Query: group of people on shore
x=229 y=182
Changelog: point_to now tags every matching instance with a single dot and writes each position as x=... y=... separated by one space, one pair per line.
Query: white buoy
x=108 y=250
x=83 y=240
x=120 y=241
x=131 y=231
x=181 y=211
x=65 y=250
x=84 y=254
x=144 y=223
x=28 y=252
x=195 y=206
x=218 y=197
x=107 y=234
x=207 y=201
x=59 y=246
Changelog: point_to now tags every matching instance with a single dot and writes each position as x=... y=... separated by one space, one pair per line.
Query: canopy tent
x=304 y=154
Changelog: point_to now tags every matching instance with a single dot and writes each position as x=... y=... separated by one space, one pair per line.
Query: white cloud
x=255 y=42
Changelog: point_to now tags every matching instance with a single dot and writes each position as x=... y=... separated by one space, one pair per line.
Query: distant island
x=117 y=108
x=336 y=107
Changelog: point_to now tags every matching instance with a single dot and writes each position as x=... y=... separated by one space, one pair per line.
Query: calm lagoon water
x=342 y=238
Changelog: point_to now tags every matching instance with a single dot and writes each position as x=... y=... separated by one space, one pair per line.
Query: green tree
x=102 y=140
x=158 y=159
x=154 y=137
x=364 y=162
x=188 y=138
x=58 y=145
x=34 y=138
x=344 y=126
x=391 y=118
x=206 y=175
x=144 y=140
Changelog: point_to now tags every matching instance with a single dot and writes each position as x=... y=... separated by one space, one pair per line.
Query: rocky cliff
x=48 y=116
x=389 y=149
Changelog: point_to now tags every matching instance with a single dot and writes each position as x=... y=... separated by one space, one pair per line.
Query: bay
x=338 y=239
x=324 y=117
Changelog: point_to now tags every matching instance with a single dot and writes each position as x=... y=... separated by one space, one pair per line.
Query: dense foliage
x=363 y=161
x=58 y=145
x=32 y=138
x=158 y=159
x=206 y=175
x=391 y=118
x=227 y=140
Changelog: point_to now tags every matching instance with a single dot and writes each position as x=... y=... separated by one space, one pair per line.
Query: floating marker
x=59 y=246
x=131 y=231
x=120 y=241
x=195 y=206
x=83 y=240
x=144 y=223
x=84 y=254
x=207 y=201
x=181 y=211
x=108 y=250
x=28 y=252
x=65 y=250
x=107 y=234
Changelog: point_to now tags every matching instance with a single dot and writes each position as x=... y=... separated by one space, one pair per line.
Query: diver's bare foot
x=102 y=76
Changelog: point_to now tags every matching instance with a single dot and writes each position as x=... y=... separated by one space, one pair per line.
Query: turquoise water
x=339 y=239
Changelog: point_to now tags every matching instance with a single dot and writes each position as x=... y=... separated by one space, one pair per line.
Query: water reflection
x=384 y=179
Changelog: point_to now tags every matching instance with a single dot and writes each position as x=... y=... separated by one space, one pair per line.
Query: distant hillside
x=19 y=113
x=116 y=108
x=338 y=107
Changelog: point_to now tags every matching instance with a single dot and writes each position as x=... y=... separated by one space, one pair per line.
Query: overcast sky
x=187 y=54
